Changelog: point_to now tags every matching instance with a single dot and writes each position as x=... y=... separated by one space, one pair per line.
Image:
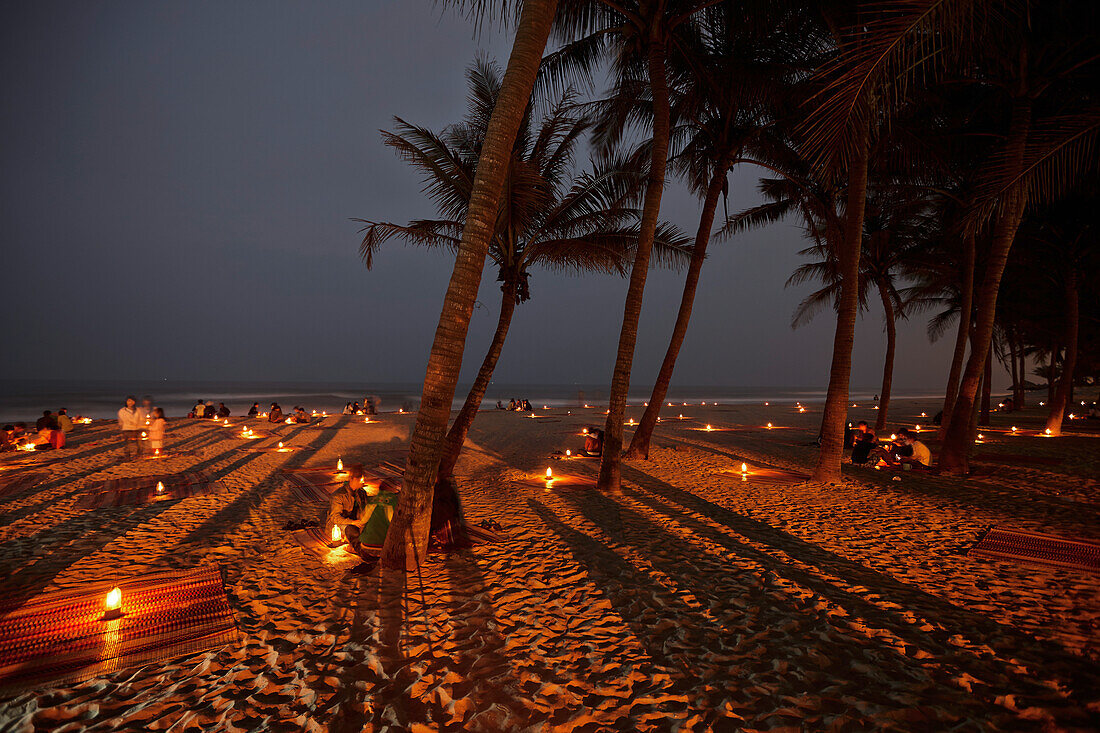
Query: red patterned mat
x=1039 y=549
x=16 y=482
x=316 y=484
x=136 y=490
x=57 y=637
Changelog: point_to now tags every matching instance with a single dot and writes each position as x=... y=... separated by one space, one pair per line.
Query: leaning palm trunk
x=639 y=444
x=831 y=452
x=987 y=387
x=888 y=365
x=407 y=539
x=1069 y=362
x=965 y=308
x=611 y=463
x=456 y=436
x=956 y=444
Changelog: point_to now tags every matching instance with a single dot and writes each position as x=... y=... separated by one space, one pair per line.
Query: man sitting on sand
x=864 y=441
x=276 y=414
x=361 y=512
x=593 y=443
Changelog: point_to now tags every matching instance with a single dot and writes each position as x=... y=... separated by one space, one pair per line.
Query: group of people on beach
x=369 y=407
x=903 y=450
x=141 y=421
x=207 y=411
x=49 y=432
x=515 y=405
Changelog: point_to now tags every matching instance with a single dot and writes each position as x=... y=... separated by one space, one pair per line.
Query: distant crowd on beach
x=515 y=405
x=49 y=433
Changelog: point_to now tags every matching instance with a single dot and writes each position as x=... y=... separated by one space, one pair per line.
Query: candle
x=280 y=445
x=584 y=430
x=336 y=536
x=709 y=428
x=160 y=487
x=1047 y=431
x=744 y=468
x=568 y=453
x=1014 y=428
x=769 y=426
x=113 y=604
x=549 y=475
x=339 y=465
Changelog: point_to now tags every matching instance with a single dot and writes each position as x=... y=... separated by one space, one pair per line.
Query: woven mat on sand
x=143 y=489
x=57 y=637
x=1037 y=549
x=16 y=482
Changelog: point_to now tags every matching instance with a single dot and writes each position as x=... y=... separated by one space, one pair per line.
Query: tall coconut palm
x=637 y=36
x=407 y=539
x=727 y=80
x=548 y=218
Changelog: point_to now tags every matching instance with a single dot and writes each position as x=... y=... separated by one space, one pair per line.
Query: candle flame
x=549 y=475
x=917 y=428
x=769 y=426
x=1047 y=431
x=584 y=430
x=336 y=536
x=1014 y=428
x=568 y=453
x=280 y=445
x=114 y=600
x=709 y=427
x=160 y=487
x=339 y=464
x=744 y=468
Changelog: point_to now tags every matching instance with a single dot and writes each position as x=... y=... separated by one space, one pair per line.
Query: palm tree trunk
x=1055 y=350
x=835 y=413
x=965 y=308
x=456 y=436
x=987 y=387
x=407 y=538
x=888 y=366
x=1015 y=372
x=1069 y=363
x=1022 y=369
x=611 y=463
x=639 y=444
x=955 y=458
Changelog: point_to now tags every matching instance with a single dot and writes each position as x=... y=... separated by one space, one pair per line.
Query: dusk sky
x=178 y=184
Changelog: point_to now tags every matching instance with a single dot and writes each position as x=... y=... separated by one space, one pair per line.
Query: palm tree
x=547 y=219
x=407 y=539
x=726 y=79
x=638 y=36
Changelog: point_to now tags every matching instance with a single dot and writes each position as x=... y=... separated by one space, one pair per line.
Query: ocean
x=24 y=400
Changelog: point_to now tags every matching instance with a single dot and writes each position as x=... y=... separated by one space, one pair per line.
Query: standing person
x=64 y=421
x=156 y=430
x=130 y=422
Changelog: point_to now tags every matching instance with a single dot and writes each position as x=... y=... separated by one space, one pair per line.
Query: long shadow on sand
x=946 y=619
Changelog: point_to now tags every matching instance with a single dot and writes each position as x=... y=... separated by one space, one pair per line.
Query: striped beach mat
x=1038 y=549
x=311 y=486
x=17 y=482
x=63 y=637
x=136 y=490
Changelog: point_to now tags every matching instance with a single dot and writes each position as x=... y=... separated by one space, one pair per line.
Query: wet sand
x=690 y=601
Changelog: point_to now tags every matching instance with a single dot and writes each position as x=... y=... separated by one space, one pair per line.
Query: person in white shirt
x=131 y=421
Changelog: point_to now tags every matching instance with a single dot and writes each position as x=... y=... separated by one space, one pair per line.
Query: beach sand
x=690 y=601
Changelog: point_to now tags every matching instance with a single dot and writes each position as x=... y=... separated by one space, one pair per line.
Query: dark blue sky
x=178 y=180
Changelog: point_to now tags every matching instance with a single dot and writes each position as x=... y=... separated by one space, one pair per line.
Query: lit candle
x=1014 y=428
x=765 y=404
x=549 y=475
x=1047 y=431
x=769 y=426
x=280 y=445
x=336 y=534
x=917 y=428
x=631 y=421
x=156 y=452
x=801 y=409
x=923 y=415
x=160 y=487
x=681 y=416
x=744 y=468
x=893 y=436
x=568 y=453
x=584 y=430
x=339 y=465
x=113 y=604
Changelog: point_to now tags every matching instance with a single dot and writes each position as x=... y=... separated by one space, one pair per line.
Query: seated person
x=593 y=443
x=527 y=405
x=906 y=451
x=7 y=438
x=368 y=405
x=864 y=441
x=254 y=410
x=512 y=404
x=300 y=415
x=223 y=411
x=276 y=414
x=347 y=409
x=209 y=412
x=360 y=510
x=46 y=421
x=199 y=409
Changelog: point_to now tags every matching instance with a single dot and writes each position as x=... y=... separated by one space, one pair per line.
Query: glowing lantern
x=1014 y=428
x=549 y=475
x=336 y=534
x=339 y=465
x=584 y=430
x=160 y=487
x=1047 y=431
x=568 y=453
x=280 y=445
x=744 y=468
x=893 y=436
x=769 y=426
x=709 y=428
x=113 y=604
x=917 y=428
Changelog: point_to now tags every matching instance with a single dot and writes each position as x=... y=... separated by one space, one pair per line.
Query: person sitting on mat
x=864 y=441
x=354 y=508
x=300 y=415
x=223 y=411
x=254 y=410
x=593 y=443
x=276 y=414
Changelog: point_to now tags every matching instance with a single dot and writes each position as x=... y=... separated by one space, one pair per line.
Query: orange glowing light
x=769 y=426
x=340 y=465
x=744 y=468
x=280 y=445
x=549 y=475
x=113 y=604
x=568 y=453
x=709 y=428
x=336 y=534
x=1047 y=431
x=160 y=487
x=584 y=430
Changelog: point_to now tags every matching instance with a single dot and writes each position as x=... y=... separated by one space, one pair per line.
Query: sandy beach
x=691 y=601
